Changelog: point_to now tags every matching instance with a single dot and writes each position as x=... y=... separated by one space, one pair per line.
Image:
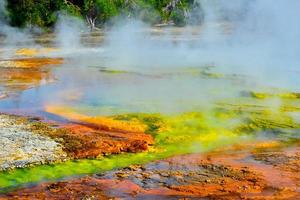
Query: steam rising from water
x=13 y=35
x=258 y=40
x=262 y=38
x=68 y=30
x=243 y=45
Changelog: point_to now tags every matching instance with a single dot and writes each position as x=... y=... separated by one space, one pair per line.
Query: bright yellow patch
x=34 y=52
x=36 y=62
x=260 y=95
x=106 y=122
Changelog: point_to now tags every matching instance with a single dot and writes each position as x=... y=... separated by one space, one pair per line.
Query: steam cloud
x=259 y=39
x=264 y=37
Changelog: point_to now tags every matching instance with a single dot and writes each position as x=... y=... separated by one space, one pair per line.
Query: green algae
x=19 y=177
x=283 y=95
x=226 y=124
x=153 y=121
x=174 y=135
x=115 y=71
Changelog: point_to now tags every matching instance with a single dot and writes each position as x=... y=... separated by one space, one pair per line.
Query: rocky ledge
x=20 y=147
x=28 y=141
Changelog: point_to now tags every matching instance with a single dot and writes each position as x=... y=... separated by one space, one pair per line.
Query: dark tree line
x=44 y=13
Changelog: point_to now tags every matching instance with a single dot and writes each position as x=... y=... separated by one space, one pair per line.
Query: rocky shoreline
x=232 y=173
x=26 y=142
x=171 y=169
x=21 y=147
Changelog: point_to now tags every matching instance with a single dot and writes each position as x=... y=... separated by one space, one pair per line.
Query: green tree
x=33 y=12
x=107 y=9
x=44 y=13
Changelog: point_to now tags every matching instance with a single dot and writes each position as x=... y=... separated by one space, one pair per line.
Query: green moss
x=174 y=135
x=183 y=133
x=36 y=174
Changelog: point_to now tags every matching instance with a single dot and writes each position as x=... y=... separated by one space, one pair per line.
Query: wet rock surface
x=20 y=147
x=287 y=161
x=169 y=174
x=28 y=141
x=217 y=175
x=241 y=173
x=78 y=141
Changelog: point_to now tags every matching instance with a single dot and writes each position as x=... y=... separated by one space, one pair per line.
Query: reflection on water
x=83 y=81
x=215 y=108
x=19 y=75
x=101 y=91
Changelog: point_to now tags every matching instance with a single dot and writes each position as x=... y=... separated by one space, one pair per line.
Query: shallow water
x=106 y=91
x=139 y=71
x=90 y=87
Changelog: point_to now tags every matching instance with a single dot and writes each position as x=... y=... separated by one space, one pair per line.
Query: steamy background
x=240 y=46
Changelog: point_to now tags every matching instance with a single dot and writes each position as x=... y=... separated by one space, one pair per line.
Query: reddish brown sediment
x=86 y=188
x=90 y=137
x=265 y=170
x=286 y=161
x=121 y=187
x=80 y=141
x=93 y=142
x=28 y=141
x=230 y=174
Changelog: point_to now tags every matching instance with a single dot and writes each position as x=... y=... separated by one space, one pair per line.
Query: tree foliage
x=44 y=13
x=33 y=12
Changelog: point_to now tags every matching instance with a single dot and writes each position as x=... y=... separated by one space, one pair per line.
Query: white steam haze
x=13 y=37
x=257 y=40
x=68 y=30
x=264 y=41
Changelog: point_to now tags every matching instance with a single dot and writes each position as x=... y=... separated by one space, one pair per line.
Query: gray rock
x=19 y=147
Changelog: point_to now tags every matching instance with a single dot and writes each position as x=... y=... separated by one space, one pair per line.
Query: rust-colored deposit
x=81 y=141
x=89 y=137
x=77 y=189
x=253 y=172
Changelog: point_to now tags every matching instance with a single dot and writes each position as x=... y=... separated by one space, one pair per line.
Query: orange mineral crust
x=36 y=62
x=98 y=122
x=30 y=52
x=81 y=141
x=217 y=175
